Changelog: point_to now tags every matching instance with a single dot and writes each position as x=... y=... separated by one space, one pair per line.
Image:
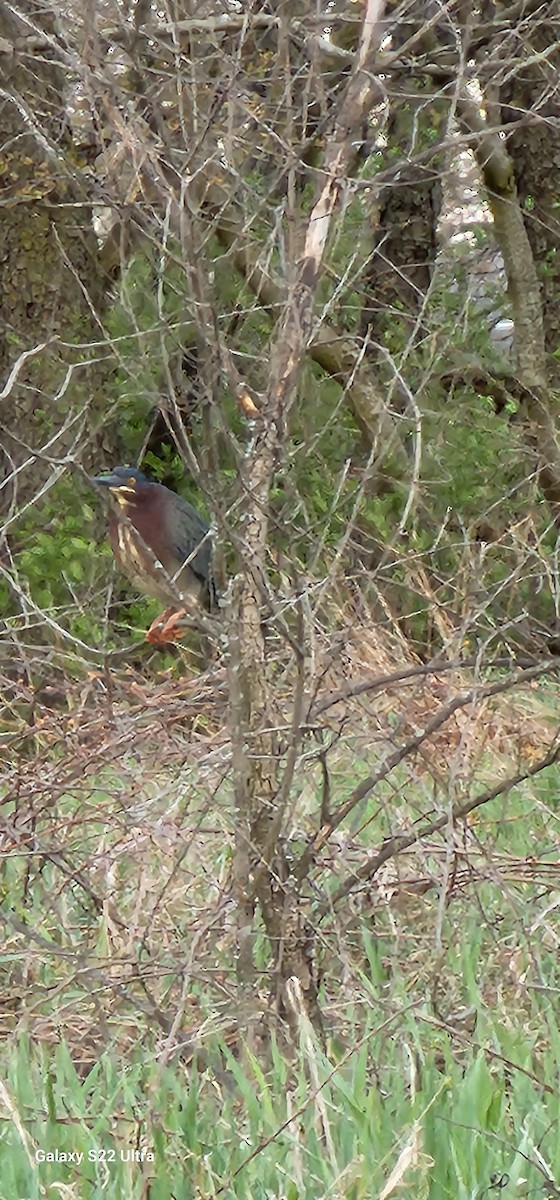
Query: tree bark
x=530 y=106
x=52 y=289
x=532 y=382
x=405 y=215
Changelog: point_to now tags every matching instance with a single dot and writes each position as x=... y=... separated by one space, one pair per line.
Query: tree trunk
x=406 y=215
x=399 y=272
x=531 y=106
x=52 y=289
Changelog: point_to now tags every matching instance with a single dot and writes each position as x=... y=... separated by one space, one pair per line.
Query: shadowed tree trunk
x=531 y=383
x=530 y=100
x=405 y=215
x=52 y=288
x=399 y=272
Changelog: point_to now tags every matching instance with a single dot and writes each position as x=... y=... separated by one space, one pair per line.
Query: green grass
x=447 y=1108
x=440 y=1072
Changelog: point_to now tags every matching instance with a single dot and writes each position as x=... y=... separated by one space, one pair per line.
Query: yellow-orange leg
x=163 y=630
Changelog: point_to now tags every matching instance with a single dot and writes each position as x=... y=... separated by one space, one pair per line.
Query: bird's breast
x=137 y=561
x=162 y=575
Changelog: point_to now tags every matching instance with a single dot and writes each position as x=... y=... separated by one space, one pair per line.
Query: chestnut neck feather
x=145 y=514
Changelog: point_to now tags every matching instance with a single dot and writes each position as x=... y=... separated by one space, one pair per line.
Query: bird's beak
x=108 y=481
x=122 y=492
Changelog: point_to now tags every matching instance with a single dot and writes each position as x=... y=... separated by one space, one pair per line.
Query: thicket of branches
x=266 y=250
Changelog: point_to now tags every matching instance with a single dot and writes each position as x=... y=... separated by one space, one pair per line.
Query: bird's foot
x=164 y=630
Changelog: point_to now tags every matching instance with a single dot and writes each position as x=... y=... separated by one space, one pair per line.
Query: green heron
x=162 y=543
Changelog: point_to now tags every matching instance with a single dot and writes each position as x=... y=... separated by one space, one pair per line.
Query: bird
x=162 y=544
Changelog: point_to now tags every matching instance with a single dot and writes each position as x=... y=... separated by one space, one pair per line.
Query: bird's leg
x=169 y=632
x=163 y=629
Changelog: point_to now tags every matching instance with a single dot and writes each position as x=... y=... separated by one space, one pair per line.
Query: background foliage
x=282 y=911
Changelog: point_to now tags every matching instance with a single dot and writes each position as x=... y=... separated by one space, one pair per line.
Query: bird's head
x=126 y=485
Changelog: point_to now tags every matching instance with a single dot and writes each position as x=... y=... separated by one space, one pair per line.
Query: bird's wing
x=191 y=537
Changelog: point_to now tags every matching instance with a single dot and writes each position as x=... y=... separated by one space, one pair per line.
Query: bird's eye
x=132 y=482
